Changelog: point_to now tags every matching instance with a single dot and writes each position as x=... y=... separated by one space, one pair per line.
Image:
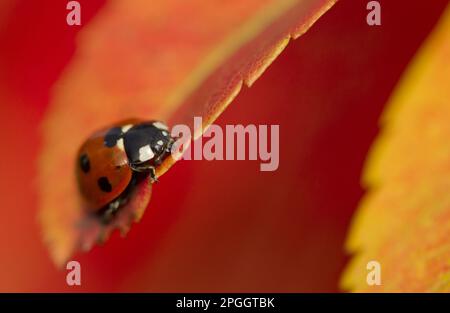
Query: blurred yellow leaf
x=403 y=222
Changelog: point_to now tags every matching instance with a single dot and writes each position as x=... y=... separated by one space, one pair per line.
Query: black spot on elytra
x=104 y=184
x=112 y=136
x=85 y=164
x=104 y=215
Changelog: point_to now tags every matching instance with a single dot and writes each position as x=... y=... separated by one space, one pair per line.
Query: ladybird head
x=147 y=144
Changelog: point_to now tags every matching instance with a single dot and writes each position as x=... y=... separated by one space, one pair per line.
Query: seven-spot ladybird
x=113 y=160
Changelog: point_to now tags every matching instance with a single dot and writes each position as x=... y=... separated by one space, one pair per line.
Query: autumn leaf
x=403 y=222
x=168 y=60
x=223 y=225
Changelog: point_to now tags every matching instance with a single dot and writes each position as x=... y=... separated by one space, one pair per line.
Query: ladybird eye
x=159 y=145
x=157 y=148
x=85 y=164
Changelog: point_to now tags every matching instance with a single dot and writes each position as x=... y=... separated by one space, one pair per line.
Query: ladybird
x=113 y=160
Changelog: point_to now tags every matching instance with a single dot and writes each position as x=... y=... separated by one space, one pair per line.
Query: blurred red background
x=217 y=226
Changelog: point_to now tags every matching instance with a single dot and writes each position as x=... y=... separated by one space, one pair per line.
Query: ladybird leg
x=152 y=175
x=106 y=217
x=158 y=160
x=143 y=168
x=140 y=167
x=112 y=209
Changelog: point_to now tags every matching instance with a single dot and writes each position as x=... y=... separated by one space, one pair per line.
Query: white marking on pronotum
x=160 y=125
x=165 y=134
x=159 y=142
x=145 y=153
x=126 y=128
x=120 y=144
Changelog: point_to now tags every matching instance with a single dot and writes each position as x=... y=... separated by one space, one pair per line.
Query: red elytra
x=102 y=172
